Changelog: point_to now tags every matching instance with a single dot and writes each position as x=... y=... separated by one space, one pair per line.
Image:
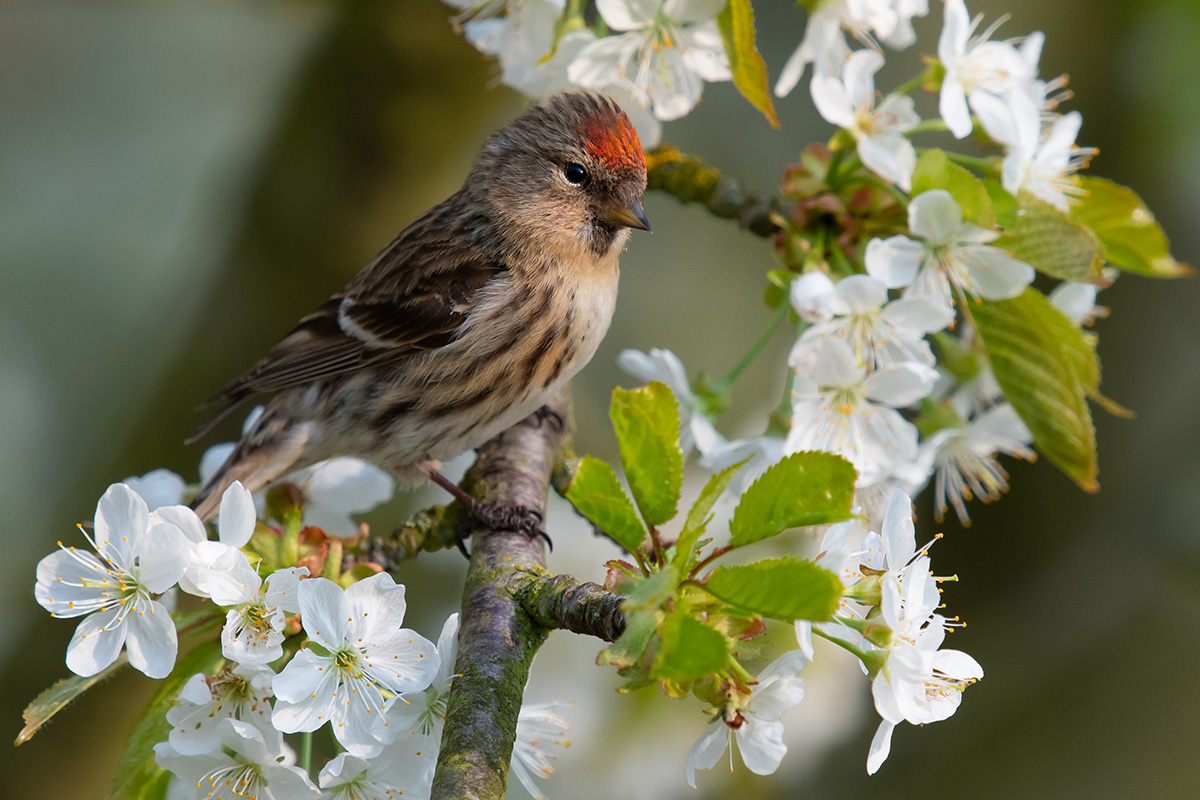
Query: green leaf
x=58 y=696
x=1053 y=242
x=736 y=24
x=646 y=421
x=1004 y=204
x=690 y=650
x=599 y=497
x=935 y=171
x=698 y=517
x=654 y=590
x=628 y=648
x=786 y=589
x=1046 y=367
x=1133 y=239
x=138 y=776
x=803 y=489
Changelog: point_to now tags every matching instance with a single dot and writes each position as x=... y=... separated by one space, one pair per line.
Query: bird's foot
x=505 y=517
x=546 y=415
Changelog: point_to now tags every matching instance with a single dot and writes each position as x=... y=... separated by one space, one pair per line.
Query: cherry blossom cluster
x=888 y=618
x=299 y=651
x=655 y=58
x=864 y=378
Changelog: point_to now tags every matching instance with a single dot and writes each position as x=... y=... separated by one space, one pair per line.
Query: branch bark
x=497 y=635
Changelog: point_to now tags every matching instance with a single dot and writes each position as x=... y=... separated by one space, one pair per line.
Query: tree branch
x=497 y=636
x=690 y=180
x=561 y=602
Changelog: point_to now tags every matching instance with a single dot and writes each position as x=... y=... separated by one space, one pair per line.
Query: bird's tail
x=272 y=449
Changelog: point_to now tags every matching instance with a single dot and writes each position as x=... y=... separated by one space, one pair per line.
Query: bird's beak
x=631 y=217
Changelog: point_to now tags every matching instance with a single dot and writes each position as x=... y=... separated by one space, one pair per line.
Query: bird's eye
x=575 y=174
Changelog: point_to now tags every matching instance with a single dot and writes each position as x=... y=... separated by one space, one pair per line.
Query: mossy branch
x=497 y=635
x=690 y=180
x=561 y=602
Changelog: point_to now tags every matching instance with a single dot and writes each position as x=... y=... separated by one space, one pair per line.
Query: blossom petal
x=810 y=295
x=890 y=155
x=704 y=52
x=63 y=580
x=237 y=516
x=881 y=747
x=858 y=293
x=628 y=15
x=998 y=275
x=97 y=642
x=921 y=314
x=707 y=750
x=324 y=611
x=306 y=697
x=859 y=73
x=151 y=640
x=836 y=364
x=832 y=100
x=761 y=744
x=935 y=216
x=895 y=260
x=952 y=106
x=182 y=518
x=163 y=558
x=901 y=384
x=121 y=521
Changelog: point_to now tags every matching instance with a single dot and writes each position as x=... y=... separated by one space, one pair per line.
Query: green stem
x=764 y=339
x=839 y=256
x=926 y=126
x=781 y=417
x=915 y=82
x=862 y=656
x=985 y=165
x=835 y=163
x=306 y=740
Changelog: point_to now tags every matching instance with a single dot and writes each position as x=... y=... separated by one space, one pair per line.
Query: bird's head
x=569 y=173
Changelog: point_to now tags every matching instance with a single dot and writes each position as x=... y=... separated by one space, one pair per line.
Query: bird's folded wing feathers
x=409 y=308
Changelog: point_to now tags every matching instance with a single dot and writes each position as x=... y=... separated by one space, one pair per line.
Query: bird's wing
x=413 y=297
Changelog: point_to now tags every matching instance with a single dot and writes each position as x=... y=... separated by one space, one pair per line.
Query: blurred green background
x=180 y=181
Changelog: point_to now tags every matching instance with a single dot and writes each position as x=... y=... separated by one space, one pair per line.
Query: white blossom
x=964 y=459
x=1077 y=302
x=978 y=69
x=253 y=632
x=140 y=556
x=856 y=310
x=952 y=256
x=219 y=570
x=824 y=44
x=519 y=39
x=848 y=101
x=158 y=488
x=242 y=693
x=538 y=727
x=666 y=53
x=757 y=725
x=918 y=682
x=664 y=366
x=248 y=765
x=398 y=773
x=832 y=408
x=419 y=717
x=336 y=489
x=359 y=652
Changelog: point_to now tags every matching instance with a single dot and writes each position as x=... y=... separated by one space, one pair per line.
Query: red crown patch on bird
x=612 y=139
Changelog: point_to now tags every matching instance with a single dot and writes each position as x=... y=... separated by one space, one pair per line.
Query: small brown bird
x=467 y=322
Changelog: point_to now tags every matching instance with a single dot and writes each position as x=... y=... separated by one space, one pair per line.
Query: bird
x=465 y=323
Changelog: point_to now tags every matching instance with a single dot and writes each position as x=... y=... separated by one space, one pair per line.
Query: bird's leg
x=495 y=517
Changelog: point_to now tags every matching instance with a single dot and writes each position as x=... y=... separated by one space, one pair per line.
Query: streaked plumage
x=468 y=320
